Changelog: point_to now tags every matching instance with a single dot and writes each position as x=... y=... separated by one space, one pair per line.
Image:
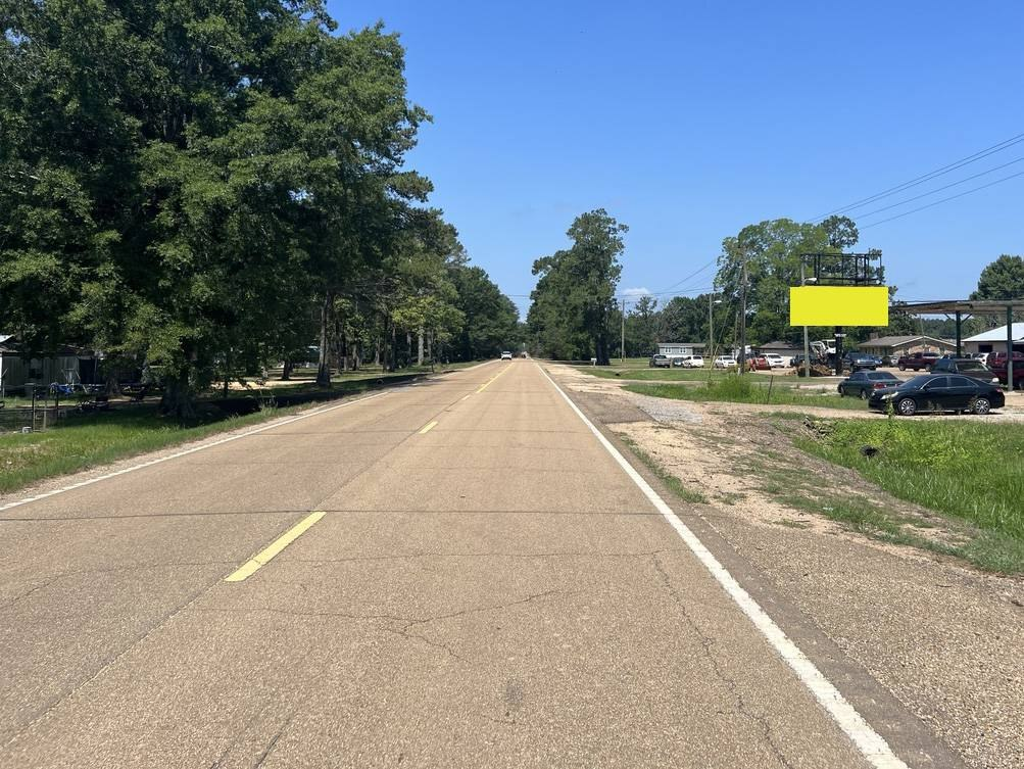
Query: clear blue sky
x=689 y=120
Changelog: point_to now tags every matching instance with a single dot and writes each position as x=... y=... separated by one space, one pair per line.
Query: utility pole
x=807 y=343
x=711 y=325
x=743 y=313
x=622 y=343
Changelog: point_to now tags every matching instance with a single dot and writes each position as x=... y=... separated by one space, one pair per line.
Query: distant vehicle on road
x=506 y=355
x=937 y=393
x=659 y=361
x=966 y=366
x=917 y=361
x=725 y=361
x=861 y=384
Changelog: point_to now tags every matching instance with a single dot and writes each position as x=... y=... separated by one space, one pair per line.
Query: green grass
x=84 y=442
x=675 y=485
x=737 y=389
x=648 y=374
x=967 y=470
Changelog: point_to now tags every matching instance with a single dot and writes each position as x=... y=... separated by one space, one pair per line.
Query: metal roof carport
x=961 y=307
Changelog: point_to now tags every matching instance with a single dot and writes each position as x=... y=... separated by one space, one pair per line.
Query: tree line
x=575 y=311
x=205 y=188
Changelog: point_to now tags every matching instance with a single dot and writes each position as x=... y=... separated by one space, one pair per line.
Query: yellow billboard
x=839 y=306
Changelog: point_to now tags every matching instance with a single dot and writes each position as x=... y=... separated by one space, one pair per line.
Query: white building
x=675 y=349
x=994 y=340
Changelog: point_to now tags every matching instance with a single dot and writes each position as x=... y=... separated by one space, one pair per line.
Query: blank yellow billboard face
x=839 y=306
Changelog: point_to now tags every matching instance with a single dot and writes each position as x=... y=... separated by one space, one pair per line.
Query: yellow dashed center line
x=485 y=384
x=428 y=427
x=261 y=559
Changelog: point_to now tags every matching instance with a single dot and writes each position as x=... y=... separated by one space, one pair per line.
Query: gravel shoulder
x=942 y=637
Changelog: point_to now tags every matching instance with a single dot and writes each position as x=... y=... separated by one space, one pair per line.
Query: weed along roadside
x=736 y=389
x=951 y=487
x=965 y=470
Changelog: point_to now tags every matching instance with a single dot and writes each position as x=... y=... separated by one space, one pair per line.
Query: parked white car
x=775 y=361
x=506 y=355
x=725 y=361
x=688 y=361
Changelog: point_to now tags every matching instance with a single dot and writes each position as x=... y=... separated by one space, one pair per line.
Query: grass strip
x=737 y=389
x=646 y=374
x=675 y=485
x=84 y=442
x=970 y=471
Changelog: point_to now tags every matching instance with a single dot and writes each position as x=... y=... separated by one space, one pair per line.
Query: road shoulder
x=879 y=621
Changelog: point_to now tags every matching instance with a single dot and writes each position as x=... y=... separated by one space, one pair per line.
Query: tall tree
x=180 y=176
x=840 y=231
x=573 y=301
x=770 y=252
x=684 y=319
x=642 y=327
x=491 y=319
x=1001 y=279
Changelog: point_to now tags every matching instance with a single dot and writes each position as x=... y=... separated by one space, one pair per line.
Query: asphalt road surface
x=454 y=574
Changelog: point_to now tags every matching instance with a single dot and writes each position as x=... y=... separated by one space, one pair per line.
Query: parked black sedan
x=931 y=392
x=862 y=383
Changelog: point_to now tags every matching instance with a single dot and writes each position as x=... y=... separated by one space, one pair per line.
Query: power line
x=688 y=277
x=682 y=291
x=634 y=298
x=944 y=200
x=981 y=154
x=940 y=189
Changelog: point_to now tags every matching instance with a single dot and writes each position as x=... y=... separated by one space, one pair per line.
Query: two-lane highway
x=452 y=574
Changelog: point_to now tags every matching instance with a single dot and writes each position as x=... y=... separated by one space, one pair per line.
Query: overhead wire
x=940 y=189
x=942 y=171
x=944 y=200
x=688 y=277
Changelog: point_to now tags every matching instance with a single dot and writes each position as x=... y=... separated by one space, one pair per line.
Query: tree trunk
x=419 y=350
x=602 y=350
x=177 y=399
x=287 y=366
x=323 y=371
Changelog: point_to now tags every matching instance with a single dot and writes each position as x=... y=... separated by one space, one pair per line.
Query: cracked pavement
x=496 y=592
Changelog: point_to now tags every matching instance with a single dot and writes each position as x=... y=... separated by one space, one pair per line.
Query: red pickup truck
x=918 y=361
x=997 y=362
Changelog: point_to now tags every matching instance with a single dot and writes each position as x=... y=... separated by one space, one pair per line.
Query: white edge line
x=874 y=748
x=186 y=452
